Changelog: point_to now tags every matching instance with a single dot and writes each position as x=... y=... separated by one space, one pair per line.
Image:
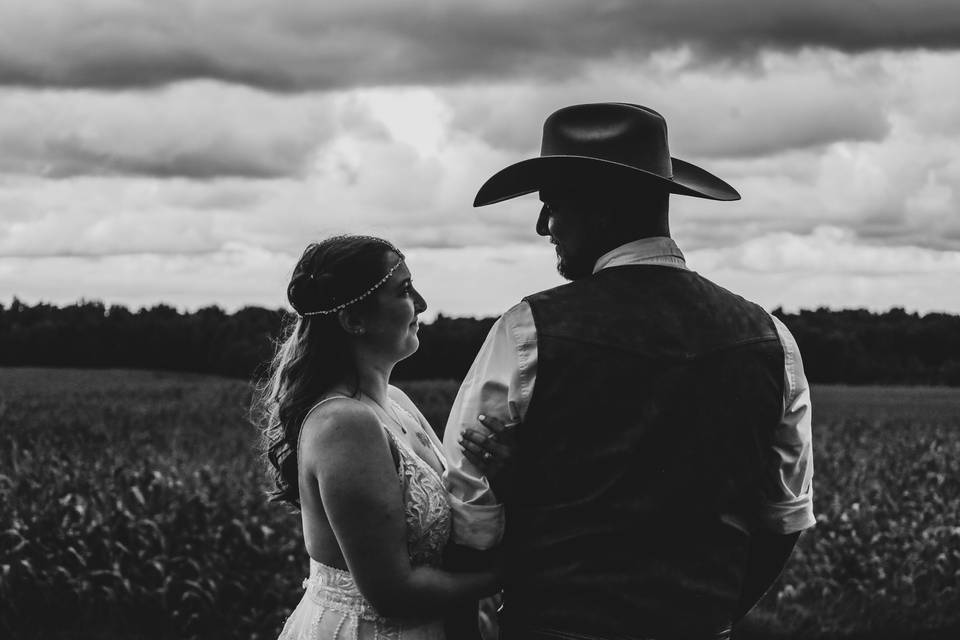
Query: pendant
x=424 y=440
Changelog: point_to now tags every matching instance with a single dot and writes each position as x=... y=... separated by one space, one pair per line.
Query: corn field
x=132 y=506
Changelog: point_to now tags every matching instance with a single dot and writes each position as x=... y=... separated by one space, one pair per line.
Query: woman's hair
x=313 y=352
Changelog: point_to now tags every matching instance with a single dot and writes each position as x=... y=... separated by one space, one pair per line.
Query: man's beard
x=572 y=267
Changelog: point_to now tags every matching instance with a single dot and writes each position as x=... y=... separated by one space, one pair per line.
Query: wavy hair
x=313 y=352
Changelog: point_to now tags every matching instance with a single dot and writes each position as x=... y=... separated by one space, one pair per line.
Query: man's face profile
x=563 y=219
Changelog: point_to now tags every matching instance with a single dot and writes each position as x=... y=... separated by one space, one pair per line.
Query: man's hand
x=491 y=447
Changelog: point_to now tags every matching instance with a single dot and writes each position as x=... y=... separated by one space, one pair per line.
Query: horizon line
x=185 y=310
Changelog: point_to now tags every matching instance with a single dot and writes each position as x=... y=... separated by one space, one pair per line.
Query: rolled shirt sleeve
x=792 y=509
x=498 y=384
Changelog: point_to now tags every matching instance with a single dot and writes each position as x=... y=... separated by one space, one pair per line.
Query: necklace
x=421 y=436
x=418 y=432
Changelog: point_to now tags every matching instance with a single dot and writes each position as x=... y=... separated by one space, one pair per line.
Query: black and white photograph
x=527 y=320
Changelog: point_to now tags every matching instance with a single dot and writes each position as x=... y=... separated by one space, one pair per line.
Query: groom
x=664 y=465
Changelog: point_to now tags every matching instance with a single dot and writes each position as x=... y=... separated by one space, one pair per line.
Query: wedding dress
x=332 y=608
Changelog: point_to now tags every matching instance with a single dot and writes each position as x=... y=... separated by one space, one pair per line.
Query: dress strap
x=395 y=445
x=392 y=440
x=307 y=415
x=310 y=410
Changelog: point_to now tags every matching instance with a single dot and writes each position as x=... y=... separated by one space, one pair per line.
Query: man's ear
x=351 y=322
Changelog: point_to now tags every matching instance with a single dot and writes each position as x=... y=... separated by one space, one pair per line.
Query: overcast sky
x=186 y=152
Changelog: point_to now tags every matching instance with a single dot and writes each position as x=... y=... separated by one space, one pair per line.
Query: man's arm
x=767 y=556
x=790 y=511
x=498 y=384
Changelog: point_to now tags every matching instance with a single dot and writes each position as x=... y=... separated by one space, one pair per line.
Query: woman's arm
x=347 y=451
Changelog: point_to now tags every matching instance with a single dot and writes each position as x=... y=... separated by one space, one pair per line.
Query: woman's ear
x=350 y=322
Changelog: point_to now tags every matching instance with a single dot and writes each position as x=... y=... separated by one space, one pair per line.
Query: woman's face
x=390 y=327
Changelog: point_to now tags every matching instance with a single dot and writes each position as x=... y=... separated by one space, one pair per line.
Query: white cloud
x=205 y=174
x=831 y=267
x=233 y=277
x=828 y=267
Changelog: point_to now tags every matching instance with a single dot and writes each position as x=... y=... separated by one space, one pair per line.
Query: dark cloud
x=708 y=115
x=199 y=130
x=60 y=159
x=200 y=164
x=771 y=126
x=945 y=237
x=296 y=46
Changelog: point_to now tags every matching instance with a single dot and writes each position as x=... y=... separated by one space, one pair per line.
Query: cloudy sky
x=185 y=152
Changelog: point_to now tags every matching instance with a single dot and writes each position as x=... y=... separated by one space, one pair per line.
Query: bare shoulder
x=340 y=426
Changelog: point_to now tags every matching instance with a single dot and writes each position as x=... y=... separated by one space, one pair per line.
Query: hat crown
x=624 y=133
x=589 y=143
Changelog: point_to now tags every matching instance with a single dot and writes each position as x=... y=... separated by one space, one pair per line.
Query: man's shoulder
x=665 y=276
x=759 y=313
x=547 y=292
x=786 y=338
x=567 y=288
x=517 y=317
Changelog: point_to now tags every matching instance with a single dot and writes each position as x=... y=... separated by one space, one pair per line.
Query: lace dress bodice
x=426 y=507
x=333 y=607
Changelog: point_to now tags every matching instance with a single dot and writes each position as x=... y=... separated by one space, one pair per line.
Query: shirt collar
x=657 y=250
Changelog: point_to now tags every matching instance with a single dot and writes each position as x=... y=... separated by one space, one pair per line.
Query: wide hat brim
x=534 y=174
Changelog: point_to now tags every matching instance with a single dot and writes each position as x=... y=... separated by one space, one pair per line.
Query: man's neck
x=615 y=242
x=660 y=250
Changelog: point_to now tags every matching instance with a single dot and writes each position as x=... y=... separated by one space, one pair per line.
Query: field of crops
x=131 y=507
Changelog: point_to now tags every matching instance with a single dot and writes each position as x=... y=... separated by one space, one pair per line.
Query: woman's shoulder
x=341 y=420
x=344 y=428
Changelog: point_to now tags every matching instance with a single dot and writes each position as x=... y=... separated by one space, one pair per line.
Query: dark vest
x=642 y=456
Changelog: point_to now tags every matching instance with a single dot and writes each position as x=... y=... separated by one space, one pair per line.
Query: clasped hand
x=491 y=447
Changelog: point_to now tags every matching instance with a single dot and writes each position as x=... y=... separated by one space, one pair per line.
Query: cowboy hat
x=617 y=139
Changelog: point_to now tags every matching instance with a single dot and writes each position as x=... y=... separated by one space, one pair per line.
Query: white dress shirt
x=500 y=383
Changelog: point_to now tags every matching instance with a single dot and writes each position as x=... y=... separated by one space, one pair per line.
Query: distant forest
x=850 y=346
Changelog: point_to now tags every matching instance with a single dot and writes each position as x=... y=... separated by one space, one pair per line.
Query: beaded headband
x=377 y=284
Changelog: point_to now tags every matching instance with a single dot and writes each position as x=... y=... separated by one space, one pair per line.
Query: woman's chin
x=411 y=345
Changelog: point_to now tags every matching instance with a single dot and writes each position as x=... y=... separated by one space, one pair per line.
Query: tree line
x=848 y=346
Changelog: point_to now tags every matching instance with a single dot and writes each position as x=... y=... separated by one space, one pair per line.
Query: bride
x=356 y=456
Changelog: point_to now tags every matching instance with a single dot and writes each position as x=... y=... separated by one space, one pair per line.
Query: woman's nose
x=419 y=304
